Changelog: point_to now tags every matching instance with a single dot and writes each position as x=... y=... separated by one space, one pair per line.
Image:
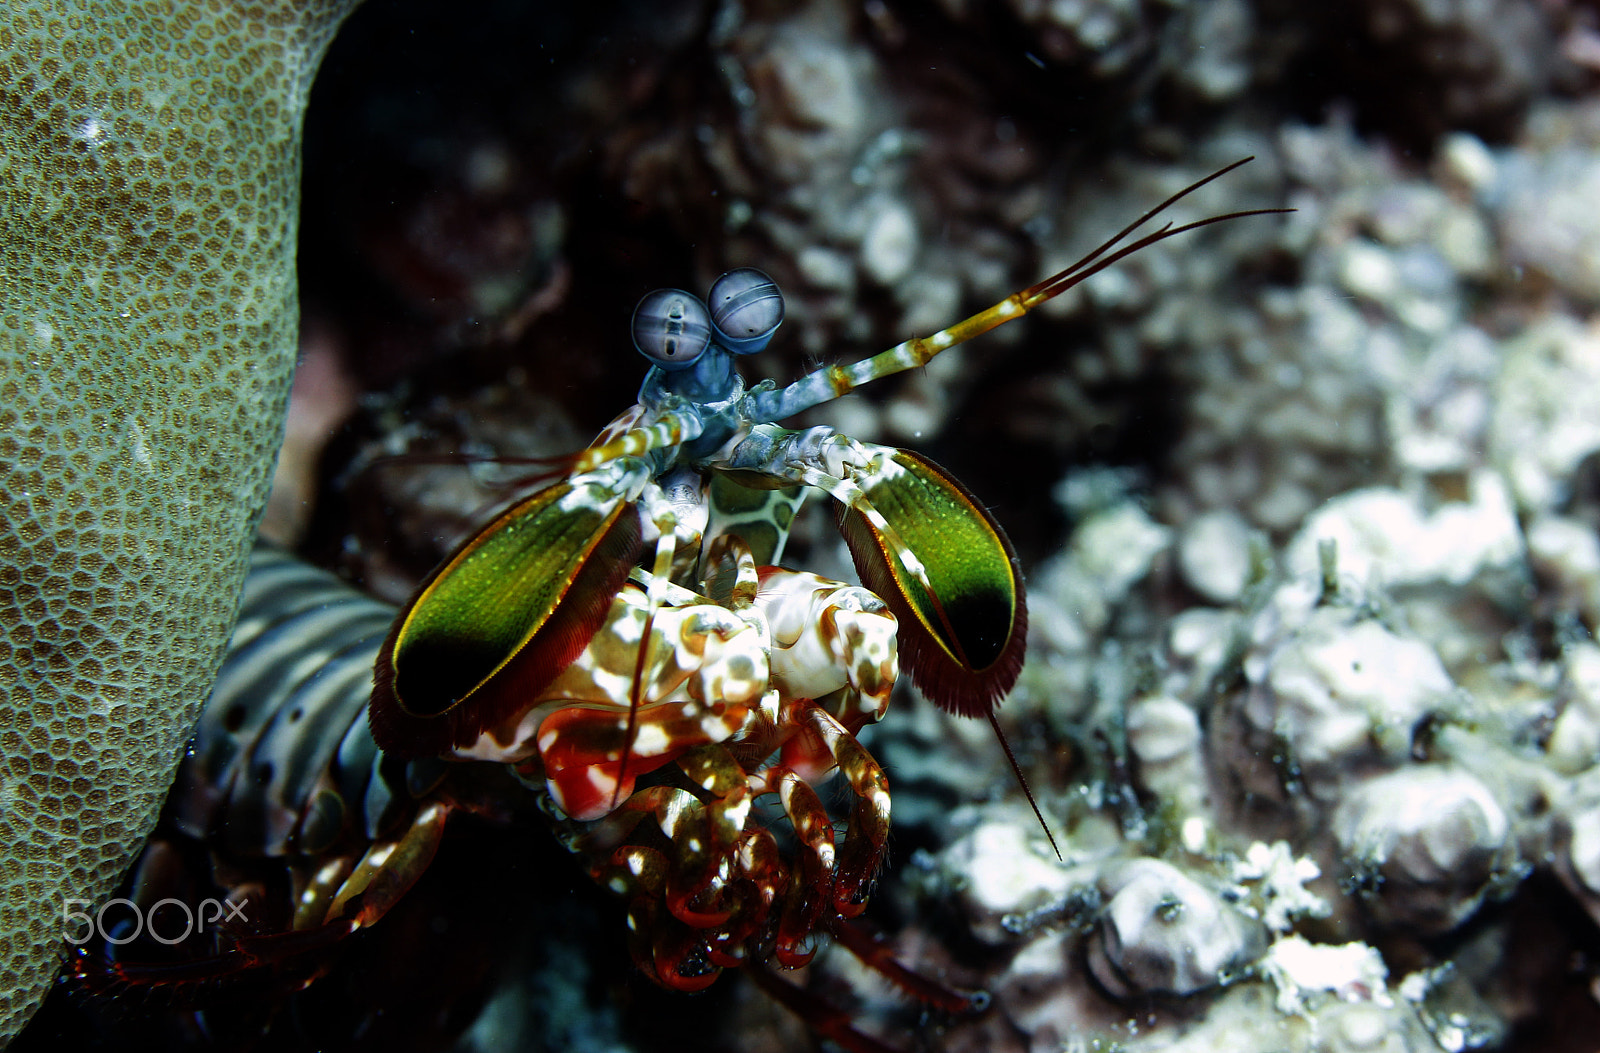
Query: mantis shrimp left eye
x=671 y=328
x=746 y=309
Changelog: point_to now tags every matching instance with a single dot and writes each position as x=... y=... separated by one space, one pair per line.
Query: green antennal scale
x=962 y=633
x=504 y=615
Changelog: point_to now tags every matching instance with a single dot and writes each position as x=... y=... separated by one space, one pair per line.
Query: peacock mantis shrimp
x=623 y=642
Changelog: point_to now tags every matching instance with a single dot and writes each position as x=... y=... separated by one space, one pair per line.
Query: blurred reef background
x=1308 y=505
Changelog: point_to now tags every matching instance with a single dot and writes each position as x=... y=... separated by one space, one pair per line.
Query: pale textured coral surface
x=149 y=162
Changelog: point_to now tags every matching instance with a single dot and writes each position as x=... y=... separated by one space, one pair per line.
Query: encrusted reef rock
x=1329 y=685
x=1296 y=809
x=148 y=207
x=1162 y=932
x=1429 y=839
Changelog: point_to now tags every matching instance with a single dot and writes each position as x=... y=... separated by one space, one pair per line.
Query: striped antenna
x=830 y=382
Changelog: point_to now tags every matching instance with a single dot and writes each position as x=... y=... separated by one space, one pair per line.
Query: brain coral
x=149 y=168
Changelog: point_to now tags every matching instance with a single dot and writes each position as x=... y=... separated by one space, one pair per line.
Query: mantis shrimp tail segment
x=285 y=810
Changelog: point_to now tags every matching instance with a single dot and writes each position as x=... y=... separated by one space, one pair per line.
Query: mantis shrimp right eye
x=746 y=309
x=671 y=328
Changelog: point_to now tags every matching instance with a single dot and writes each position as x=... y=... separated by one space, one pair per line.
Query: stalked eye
x=746 y=309
x=671 y=329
